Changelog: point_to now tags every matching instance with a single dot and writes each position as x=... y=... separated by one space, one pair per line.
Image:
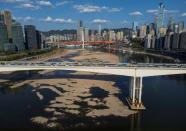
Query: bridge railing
x=91 y=64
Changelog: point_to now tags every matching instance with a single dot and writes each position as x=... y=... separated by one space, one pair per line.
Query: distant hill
x=59 y=32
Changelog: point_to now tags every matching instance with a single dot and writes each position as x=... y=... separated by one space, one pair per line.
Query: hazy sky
x=63 y=14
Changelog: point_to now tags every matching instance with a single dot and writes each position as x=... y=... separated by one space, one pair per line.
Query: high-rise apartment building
x=120 y=36
x=167 y=44
x=79 y=30
x=1 y=17
x=162 y=31
x=112 y=35
x=176 y=28
x=183 y=40
x=40 y=40
x=86 y=34
x=156 y=24
x=175 y=42
x=99 y=29
x=99 y=32
x=170 y=25
x=92 y=35
x=170 y=22
x=148 y=40
x=7 y=17
x=105 y=35
x=82 y=33
x=3 y=36
x=180 y=26
x=17 y=36
x=153 y=42
x=143 y=30
x=30 y=37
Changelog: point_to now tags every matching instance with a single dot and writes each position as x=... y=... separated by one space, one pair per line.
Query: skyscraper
x=7 y=16
x=1 y=17
x=170 y=25
x=175 y=42
x=134 y=26
x=153 y=40
x=17 y=36
x=99 y=29
x=119 y=36
x=170 y=22
x=143 y=30
x=86 y=34
x=112 y=35
x=161 y=15
x=79 y=30
x=156 y=24
x=176 y=28
x=99 y=32
x=148 y=41
x=3 y=36
x=105 y=35
x=167 y=44
x=180 y=26
x=40 y=39
x=30 y=37
x=162 y=31
x=183 y=40
x=81 y=33
x=92 y=35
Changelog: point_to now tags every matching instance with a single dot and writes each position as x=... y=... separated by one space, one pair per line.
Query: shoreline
x=156 y=55
x=137 y=51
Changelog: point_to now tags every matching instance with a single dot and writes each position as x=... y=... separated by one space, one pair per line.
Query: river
x=163 y=96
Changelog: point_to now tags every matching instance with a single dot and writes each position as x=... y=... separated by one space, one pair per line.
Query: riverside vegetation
x=33 y=54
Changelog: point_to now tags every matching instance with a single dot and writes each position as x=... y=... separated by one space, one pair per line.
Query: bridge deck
x=126 y=69
x=90 y=64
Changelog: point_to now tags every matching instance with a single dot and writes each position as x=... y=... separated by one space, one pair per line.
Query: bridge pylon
x=135 y=93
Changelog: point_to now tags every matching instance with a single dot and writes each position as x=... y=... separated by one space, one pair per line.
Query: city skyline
x=44 y=13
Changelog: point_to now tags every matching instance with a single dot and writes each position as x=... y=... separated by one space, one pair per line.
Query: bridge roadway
x=135 y=71
x=81 y=42
x=125 y=69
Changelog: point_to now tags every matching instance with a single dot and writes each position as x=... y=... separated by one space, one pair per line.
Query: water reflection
x=135 y=121
x=141 y=58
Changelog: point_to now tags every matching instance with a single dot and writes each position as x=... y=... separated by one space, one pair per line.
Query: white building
x=112 y=35
x=143 y=31
x=148 y=40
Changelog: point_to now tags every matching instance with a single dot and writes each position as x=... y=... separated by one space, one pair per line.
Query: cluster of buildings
x=155 y=35
x=13 y=38
x=58 y=37
x=160 y=37
x=86 y=34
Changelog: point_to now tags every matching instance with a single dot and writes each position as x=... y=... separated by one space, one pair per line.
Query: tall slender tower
x=161 y=15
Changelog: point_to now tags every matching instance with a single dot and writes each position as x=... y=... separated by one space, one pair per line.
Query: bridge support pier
x=135 y=93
